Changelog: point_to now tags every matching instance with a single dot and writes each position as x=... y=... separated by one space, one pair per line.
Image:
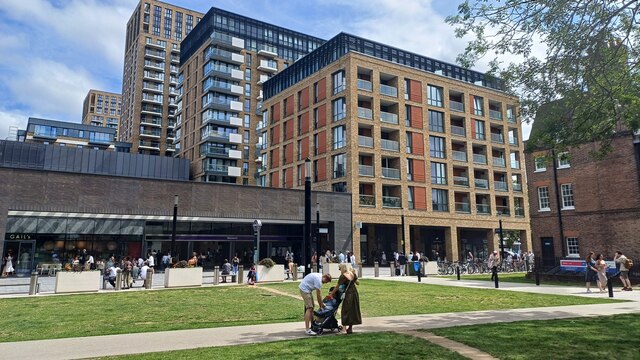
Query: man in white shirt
x=143 y=271
x=151 y=260
x=341 y=257
x=113 y=271
x=311 y=282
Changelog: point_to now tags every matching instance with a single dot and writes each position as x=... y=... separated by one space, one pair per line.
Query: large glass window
x=543 y=198
x=563 y=160
x=410 y=197
x=540 y=163
x=478 y=106
x=338 y=81
x=567 y=196
x=339 y=107
x=436 y=147
x=339 y=166
x=435 y=96
x=439 y=200
x=438 y=173
x=480 y=134
x=436 y=121
x=339 y=137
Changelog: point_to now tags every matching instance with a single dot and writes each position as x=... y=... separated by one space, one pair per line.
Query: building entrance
x=22 y=253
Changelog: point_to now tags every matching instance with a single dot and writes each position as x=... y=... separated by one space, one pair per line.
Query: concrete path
x=462 y=349
x=79 y=348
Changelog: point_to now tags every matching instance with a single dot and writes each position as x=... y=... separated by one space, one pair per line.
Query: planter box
x=332 y=269
x=82 y=281
x=265 y=274
x=431 y=268
x=183 y=277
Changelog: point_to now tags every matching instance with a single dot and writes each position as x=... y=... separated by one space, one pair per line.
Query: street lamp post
x=257 y=224
x=318 y=249
x=173 y=228
x=307 y=216
x=501 y=239
x=402 y=226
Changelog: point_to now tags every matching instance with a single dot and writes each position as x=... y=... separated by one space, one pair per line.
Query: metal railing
x=389 y=118
x=459 y=155
x=367 y=200
x=390 y=173
x=365 y=113
x=365 y=141
x=390 y=145
x=391 y=202
x=388 y=90
x=456 y=105
x=365 y=170
x=365 y=85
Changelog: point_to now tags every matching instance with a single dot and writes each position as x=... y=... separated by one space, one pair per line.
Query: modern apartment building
x=62 y=133
x=431 y=152
x=150 y=76
x=223 y=64
x=581 y=204
x=102 y=108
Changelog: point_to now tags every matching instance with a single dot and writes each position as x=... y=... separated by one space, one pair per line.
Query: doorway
x=23 y=256
x=548 y=253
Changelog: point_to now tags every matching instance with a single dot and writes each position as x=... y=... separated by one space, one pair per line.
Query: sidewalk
x=77 y=348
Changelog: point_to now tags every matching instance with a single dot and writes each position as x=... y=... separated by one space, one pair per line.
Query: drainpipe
x=558 y=200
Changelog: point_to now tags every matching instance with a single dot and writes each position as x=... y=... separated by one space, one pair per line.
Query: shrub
x=181 y=264
x=268 y=262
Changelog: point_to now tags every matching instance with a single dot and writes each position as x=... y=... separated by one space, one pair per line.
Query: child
x=252 y=276
x=330 y=303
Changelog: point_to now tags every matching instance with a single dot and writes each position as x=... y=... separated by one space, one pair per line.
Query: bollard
x=392 y=269
x=149 y=280
x=376 y=270
x=33 y=284
x=610 y=287
x=314 y=268
x=118 y=280
x=537 y=275
x=458 y=272
x=418 y=271
x=295 y=272
x=406 y=269
x=216 y=275
x=496 y=280
x=360 y=270
x=240 y=274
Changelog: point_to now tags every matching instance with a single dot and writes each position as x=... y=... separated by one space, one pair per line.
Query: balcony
x=480 y=159
x=214 y=151
x=222 y=87
x=389 y=145
x=500 y=186
x=390 y=173
x=227 y=40
x=262 y=79
x=153 y=76
x=483 y=209
x=150 y=122
x=152 y=98
x=225 y=72
x=365 y=170
x=223 y=104
x=365 y=141
x=367 y=200
x=499 y=162
x=365 y=113
x=388 y=118
x=268 y=66
x=461 y=181
x=511 y=118
x=391 y=202
x=154 y=65
x=150 y=133
x=513 y=141
x=497 y=138
x=149 y=145
x=515 y=164
x=388 y=90
x=456 y=106
x=171 y=124
x=224 y=55
x=519 y=212
x=365 y=85
x=463 y=207
x=220 y=119
x=151 y=109
x=481 y=183
x=267 y=50
x=495 y=114
x=516 y=187
x=503 y=210
x=216 y=169
x=458 y=130
x=154 y=54
x=152 y=87
x=459 y=155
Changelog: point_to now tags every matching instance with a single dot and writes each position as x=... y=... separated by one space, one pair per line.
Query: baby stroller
x=327 y=321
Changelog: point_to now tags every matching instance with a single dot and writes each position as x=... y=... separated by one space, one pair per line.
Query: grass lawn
x=50 y=317
x=357 y=346
x=517 y=278
x=606 y=337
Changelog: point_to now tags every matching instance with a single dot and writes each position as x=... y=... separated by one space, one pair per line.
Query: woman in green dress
x=347 y=283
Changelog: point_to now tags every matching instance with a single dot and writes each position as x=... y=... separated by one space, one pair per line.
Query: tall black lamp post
x=307 y=216
x=173 y=228
x=402 y=226
x=501 y=238
x=318 y=249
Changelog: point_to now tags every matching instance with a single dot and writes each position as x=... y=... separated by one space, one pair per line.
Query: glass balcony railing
x=365 y=113
x=459 y=155
x=458 y=130
x=495 y=114
x=364 y=85
x=441 y=207
x=483 y=209
x=391 y=202
x=503 y=210
x=516 y=187
x=481 y=183
x=497 y=138
x=461 y=180
x=456 y=106
x=365 y=170
x=463 y=207
x=479 y=159
x=499 y=162
x=367 y=200
x=515 y=164
x=390 y=173
x=500 y=186
x=388 y=90
x=216 y=168
x=389 y=145
x=365 y=141
x=388 y=118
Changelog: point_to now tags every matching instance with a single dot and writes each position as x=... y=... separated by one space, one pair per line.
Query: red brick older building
x=579 y=204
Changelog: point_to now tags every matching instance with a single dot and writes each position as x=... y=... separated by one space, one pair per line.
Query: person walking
x=311 y=282
x=494 y=260
x=601 y=267
x=624 y=270
x=347 y=283
x=235 y=263
x=590 y=270
x=8 y=264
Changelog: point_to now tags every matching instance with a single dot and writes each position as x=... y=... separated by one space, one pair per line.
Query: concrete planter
x=265 y=274
x=81 y=281
x=332 y=269
x=431 y=268
x=183 y=277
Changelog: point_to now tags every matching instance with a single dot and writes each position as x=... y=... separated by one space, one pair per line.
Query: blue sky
x=54 y=51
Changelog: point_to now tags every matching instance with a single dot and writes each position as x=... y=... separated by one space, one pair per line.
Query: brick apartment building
x=580 y=204
x=102 y=108
x=432 y=152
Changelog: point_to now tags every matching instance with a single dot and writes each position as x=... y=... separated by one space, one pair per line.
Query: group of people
x=346 y=290
x=130 y=268
x=596 y=270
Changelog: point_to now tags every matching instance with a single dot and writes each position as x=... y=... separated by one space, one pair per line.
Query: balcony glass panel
x=388 y=90
x=483 y=209
x=367 y=200
x=458 y=130
x=365 y=141
x=463 y=207
x=391 y=202
x=365 y=113
x=389 y=118
x=459 y=155
x=365 y=170
x=364 y=85
x=390 y=173
x=461 y=180
x=389 y=145
x=479 y=159
x=481 y=183
x=456 y=105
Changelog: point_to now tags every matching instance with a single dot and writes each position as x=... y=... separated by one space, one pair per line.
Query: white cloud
x=9 y=119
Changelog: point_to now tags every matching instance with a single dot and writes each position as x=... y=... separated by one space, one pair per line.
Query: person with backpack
x=625 y=265
x=127 y=266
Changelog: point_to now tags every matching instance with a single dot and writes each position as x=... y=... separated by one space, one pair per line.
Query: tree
x=590 y=62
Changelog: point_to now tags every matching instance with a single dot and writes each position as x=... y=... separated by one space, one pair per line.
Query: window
x=299 y=174
x=407 y=115
x=543 y=198
x=339 y=166
x=436 y=147
x=247 y=89
x=563 y=160
x=438 y=173
x=339 y=107
x=410 y=169
x=339 y=137
x=315 y=92
x=247 y=74
x=436 y=121
x=479 y=124
x=339 y=187
x=435 y=95
x=315 y=171
x=478 y=106
x=410 y=195
x=409 y=142
x=246 y=136
x=315 y=144
x=518 y=206
x=540 y=163
x=247 y=121
x=567 y=196
x=338 y=82
x=439 y=200
x=247 y=59
x=573 y=250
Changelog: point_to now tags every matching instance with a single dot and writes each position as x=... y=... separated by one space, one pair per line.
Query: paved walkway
x=78 y=348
